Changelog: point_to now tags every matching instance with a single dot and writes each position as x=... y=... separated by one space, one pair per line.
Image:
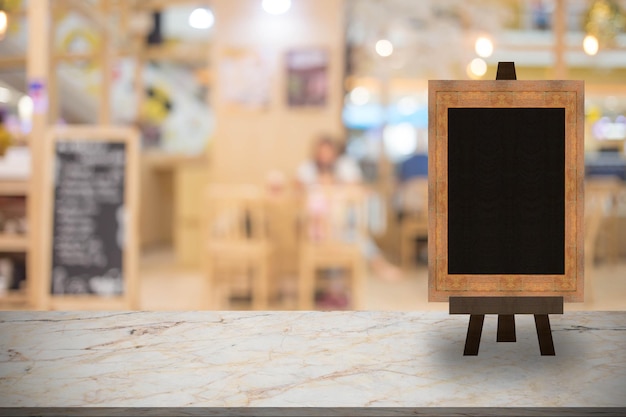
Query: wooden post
x=37 y=69
x=386 y=178
x=123 y=9
x=106 y=62
x=559 y=29
x=138 y=77
x=54 y=103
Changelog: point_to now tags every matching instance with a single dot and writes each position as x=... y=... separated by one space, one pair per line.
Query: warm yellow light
x=477 y=68
x=483 y=47
x=590 y=45
x=4 y=22
x=384 y=47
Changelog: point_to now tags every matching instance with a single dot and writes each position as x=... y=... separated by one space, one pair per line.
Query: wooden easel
x=507 y=307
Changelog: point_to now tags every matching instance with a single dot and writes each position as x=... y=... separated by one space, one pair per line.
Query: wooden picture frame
x=507 y=94
x=307 y=77
x=106 y=135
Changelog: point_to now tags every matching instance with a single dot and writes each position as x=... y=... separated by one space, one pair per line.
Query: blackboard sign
x=506 y=191
x=505 y=178
x=92 y=223
x=88 y=229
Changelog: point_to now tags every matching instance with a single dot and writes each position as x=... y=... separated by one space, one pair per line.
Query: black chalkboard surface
x=88 y=218
x=506 y=190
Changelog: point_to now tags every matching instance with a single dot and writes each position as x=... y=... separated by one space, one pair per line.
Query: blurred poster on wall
x=244 y=78
x=307 y=77
x=173 y=114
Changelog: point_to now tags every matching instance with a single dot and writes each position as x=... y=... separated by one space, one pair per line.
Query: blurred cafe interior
x=282 y=144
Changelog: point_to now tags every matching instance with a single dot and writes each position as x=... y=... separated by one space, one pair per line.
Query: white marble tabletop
x=304 y=359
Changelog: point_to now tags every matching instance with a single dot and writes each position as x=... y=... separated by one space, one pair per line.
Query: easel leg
x=474 y=331
x=506 y=328
x=544 y=334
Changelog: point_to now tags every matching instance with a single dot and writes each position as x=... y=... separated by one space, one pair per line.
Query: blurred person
x=329 y=166
x=282 y=215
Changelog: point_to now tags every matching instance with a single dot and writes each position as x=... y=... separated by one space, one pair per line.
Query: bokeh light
x=483 y=47
x=384 y=47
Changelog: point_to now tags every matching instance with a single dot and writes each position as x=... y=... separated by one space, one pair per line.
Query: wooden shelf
x=13 y=187
x=13 y=243
x=165 y=161
x=14 y=297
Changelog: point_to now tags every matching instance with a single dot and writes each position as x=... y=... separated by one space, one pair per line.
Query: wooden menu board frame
x=513 y=94
x=93 y=134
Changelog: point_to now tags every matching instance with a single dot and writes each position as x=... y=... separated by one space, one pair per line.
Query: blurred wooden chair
x=600 y=195
x=282 y=216
x=236 y=238
x=413 y=224
x=332 y=230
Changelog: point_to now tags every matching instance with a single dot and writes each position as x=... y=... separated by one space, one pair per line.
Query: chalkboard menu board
x=506 y=191
x=505 y=188
x=91 y=256
x=88 y=229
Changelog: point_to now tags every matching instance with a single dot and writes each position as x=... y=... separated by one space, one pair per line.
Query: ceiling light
x=590 y=45
x=201 y=19
x=276 y=6
x=4 y=23
x=483 y=47
x=384 y=47
x=25 y=109
x=477 y=68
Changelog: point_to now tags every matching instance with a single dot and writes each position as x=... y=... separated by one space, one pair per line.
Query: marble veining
x=304 y=359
